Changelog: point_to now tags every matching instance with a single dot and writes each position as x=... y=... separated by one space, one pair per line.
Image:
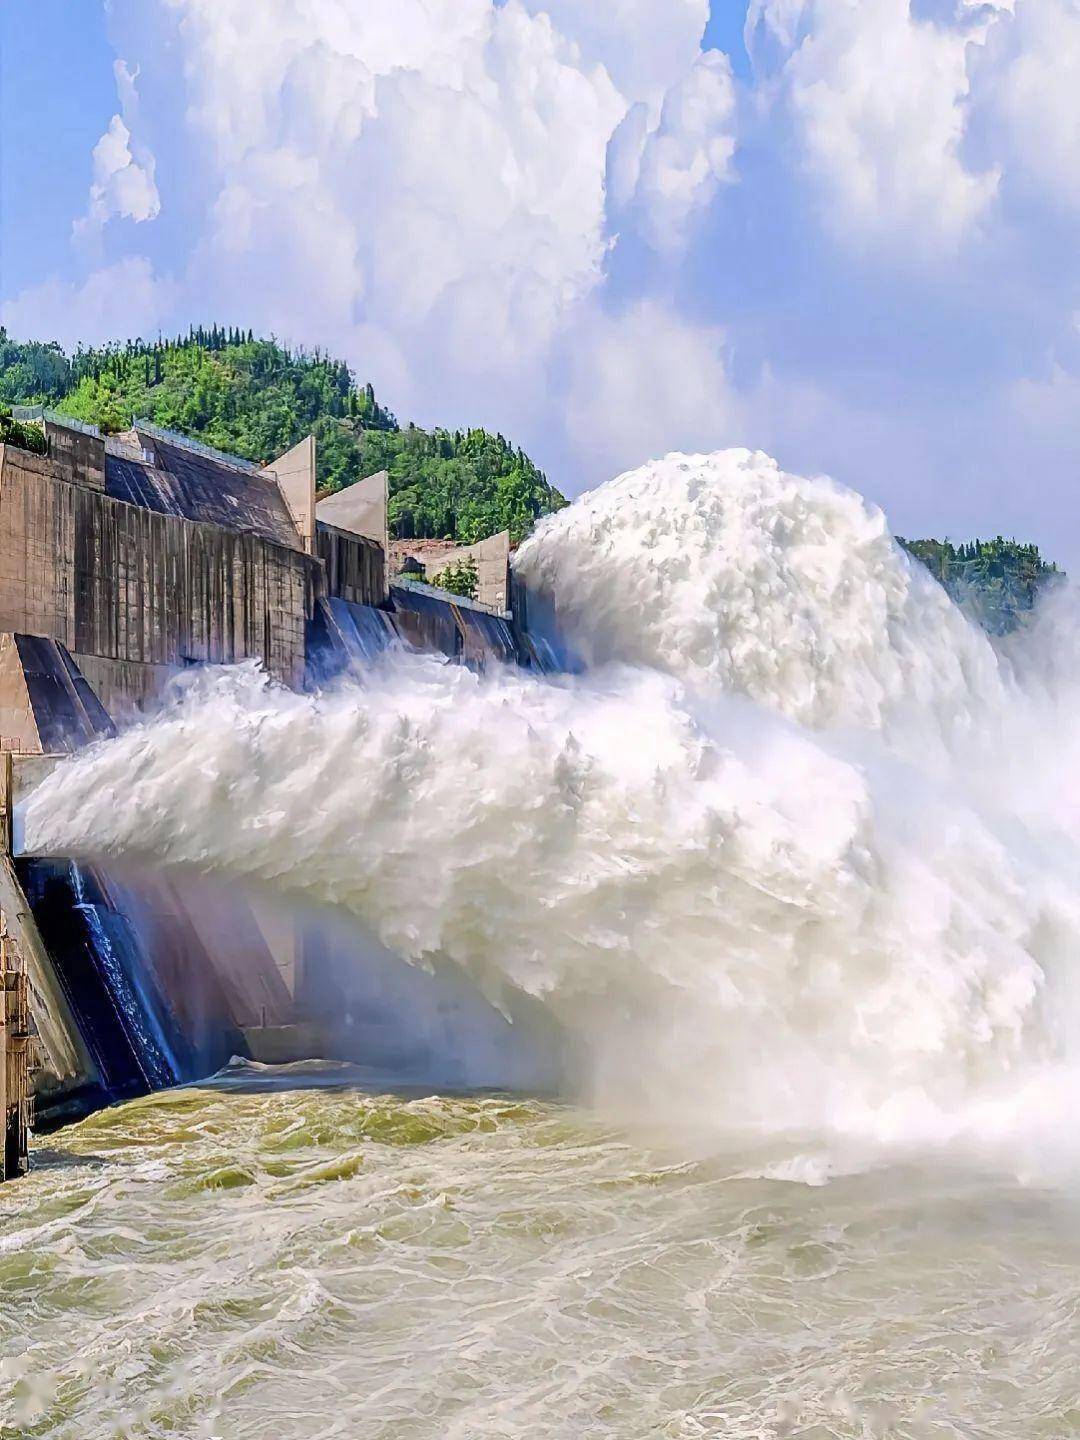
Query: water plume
x=796 y=849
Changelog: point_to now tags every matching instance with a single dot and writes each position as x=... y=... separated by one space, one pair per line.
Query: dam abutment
x=124 y=561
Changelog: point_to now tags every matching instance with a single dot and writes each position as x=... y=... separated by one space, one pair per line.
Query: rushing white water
x=250 y=1259
x=797 y=851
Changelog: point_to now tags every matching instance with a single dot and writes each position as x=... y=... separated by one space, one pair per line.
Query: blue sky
x=843 y=231
x=58 y=50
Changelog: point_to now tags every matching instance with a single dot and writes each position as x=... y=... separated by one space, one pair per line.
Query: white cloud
x=484 y=132
x=119 y=301
x=477 y=129
x=646 y=46
x=422 y=187
x=773 y=29
x=878 y=97
x=450 y=194
x=886 y=96
x=1050 y=406
x=670 y=173
x=123 y=182
x=1028 y=96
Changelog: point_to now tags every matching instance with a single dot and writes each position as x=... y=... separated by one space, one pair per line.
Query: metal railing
x=30 y=414
x=173 y=437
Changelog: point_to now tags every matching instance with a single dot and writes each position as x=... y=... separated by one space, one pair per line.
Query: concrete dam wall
x=123 y=561
x=130 y=587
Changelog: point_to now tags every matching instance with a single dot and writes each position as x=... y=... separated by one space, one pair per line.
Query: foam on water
x=797 y=851
x=220 y=1262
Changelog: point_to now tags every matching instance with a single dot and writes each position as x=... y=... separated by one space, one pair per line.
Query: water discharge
x=795 y=849
x=791 y=848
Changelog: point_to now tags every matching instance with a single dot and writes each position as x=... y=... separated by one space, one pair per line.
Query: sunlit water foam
x=214 y=1263
x=796 y=852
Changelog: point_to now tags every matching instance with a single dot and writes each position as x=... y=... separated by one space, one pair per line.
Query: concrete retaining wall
x=355 y=565
x=136 y=588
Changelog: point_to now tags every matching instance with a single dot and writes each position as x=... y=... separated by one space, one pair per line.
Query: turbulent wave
x=250 y=1259
x=732 y=575
x=796 y=849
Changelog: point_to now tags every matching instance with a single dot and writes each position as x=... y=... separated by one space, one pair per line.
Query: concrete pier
x=16 y=1058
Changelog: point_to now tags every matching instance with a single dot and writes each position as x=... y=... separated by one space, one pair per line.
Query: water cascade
x=105 y=976
x=790 y=846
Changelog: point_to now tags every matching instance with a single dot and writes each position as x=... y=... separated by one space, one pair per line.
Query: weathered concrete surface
x=355 y=565
x=351 y=540
x=193 y=482
x=207 y=948
x=492 y=560
x=64 y=1064
x=118 y=565
x=80 y=455
x=138 y=587
x=361 y=509
x=16 y=1055
x=27 y=773
x=295 y=475
x=131 y=689
x=18 y=727
x=283 y=938
x=46 y=705
x=430 y=619
x=180 y=556
x=284 y=1044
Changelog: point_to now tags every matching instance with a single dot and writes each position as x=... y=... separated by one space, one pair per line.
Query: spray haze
x=795 y=850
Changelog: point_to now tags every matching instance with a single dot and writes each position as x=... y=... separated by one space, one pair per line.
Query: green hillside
x=255 y=398
x=997 y=580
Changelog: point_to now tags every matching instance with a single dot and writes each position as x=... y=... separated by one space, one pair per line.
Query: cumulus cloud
x=569 y=221
x=666 y=175
x=117 y=301
x=1027 y=98
x=1046 y=403
x=877 y=98
x=646 y=46
x=123 y=181
x=437 y=178
x=423 y=187
x=1051 y=405
x=645 y=382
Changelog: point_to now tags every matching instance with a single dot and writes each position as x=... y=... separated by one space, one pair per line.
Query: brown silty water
x=250 y=1258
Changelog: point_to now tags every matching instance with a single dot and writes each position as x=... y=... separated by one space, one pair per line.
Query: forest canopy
x=998 y=580
x=256 y=398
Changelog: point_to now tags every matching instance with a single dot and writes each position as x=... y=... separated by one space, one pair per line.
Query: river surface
x=786 y=846
x=237 y=1262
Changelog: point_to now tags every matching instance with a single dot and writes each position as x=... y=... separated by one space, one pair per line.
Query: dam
x=125 y=562
x=814 y=943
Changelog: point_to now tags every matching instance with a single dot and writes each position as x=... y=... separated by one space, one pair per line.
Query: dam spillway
x=769 y=859
x=125 y=561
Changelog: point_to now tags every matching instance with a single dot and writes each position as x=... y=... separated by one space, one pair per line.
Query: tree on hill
x=256 y=398
x=26 y=437
x=32 y=373
x=997 y=580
